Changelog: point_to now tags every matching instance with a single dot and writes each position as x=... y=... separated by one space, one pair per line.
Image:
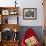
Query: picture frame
x=30 y=13
x=13 y=12
x=5 y=12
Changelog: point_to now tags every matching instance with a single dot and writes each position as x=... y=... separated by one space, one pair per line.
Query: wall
x=37 y=29
x=27 y=4
x=32 y=4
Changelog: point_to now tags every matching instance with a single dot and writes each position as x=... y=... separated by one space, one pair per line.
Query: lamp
x=15 y=30
x=15 y=3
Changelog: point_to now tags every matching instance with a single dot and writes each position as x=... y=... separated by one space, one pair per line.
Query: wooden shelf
x=11 y=26
x=4 y=12
x=5 y=8
x=9 y=43
x=14 y=10
x=8 y=11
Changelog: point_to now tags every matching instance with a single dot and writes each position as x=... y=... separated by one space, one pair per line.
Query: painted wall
x=37 y=29
x=26 y=4
x=32 y=4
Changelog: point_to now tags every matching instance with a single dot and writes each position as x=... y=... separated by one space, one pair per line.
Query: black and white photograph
x=29 y=13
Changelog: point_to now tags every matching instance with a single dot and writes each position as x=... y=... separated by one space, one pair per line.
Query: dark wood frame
x=35 y=9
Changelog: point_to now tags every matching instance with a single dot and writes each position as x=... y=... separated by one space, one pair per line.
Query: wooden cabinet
x=8 y=28
x=10 y=43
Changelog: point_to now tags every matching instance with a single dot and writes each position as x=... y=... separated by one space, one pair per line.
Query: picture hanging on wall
x=30 y=13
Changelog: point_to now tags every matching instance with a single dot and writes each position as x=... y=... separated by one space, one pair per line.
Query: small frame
x=30 y=13
x=13 y=12
x=5 y=12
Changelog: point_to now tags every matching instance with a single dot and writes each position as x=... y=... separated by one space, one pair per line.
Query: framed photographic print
x=29 y=13
x=5 y=12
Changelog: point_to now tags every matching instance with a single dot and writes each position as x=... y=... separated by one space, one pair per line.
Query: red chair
x=29 y=33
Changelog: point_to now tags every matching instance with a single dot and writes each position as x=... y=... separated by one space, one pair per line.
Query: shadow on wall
x=37 y=29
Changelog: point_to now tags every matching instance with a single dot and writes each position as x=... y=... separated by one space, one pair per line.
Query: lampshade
x=15 y=30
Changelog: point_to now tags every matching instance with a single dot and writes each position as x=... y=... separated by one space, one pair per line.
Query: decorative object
x=13 y=12
x=30 y=38
x=15 y=3
x=31 y=41
x=29 y=13
x=7 y=34
x=5 y=19
x=5 y=12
